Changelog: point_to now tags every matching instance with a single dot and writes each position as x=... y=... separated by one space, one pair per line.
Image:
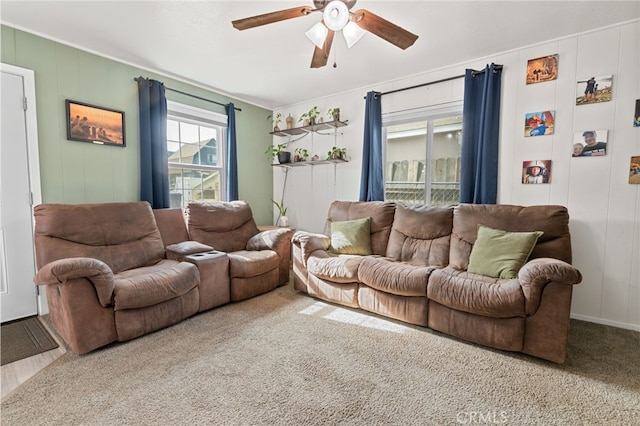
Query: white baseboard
x=634 y=327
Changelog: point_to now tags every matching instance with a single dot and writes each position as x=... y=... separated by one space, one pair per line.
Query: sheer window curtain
x=480 y=136
x=372 y=176
x=154 y=170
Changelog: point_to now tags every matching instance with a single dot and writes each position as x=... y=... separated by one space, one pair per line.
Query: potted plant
x=334 y=114
x=337 y=153
x=279 y=151
x=283 y=220
x=276 y=121
x=300 y=154
x=310 y=115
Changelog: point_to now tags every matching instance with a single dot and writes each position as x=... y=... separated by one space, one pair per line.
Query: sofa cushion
x=476 y=294
x=552 y=220
x=225 y=226
x=339 y=268
x=252 y=263
x=380 y=212
x=351 y=237
x=122 y=235
x=421 y=235
x=501 y=254
x=150 y=285
x=390 y=276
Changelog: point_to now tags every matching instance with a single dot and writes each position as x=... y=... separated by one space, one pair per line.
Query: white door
x=18 y=295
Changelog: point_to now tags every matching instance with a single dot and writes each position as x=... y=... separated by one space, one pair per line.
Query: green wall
x=77 y=172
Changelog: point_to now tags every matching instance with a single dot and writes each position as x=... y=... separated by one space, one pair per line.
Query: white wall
x=604 y=207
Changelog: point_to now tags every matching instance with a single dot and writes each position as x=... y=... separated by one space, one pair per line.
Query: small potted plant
x=311 y=116
x=276 y=121
x=334 y=114
x=283 y=220
x=337 y=153
x=279 y=151
x=300 y=154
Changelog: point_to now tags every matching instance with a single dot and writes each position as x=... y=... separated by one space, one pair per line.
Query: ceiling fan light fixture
x=336 y=15
x=352 y=33
x=317 y=34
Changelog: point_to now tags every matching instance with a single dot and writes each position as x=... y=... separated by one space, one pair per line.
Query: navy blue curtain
x=154 y=170
x=232 y=154
x=480 y=136
x=371 y=178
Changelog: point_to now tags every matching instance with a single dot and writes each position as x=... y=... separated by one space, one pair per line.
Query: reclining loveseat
x=116 y=271
x=496 y=275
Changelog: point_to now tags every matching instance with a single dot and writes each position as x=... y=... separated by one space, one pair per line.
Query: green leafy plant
x=337 y=153
x=273 y=150
x=280 y=206
x=301 y=154
x=312 y=114
x=334 y=113
x=276 y=119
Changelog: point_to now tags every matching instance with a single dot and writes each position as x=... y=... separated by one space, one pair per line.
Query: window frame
x=202 y=117
x=427 y=114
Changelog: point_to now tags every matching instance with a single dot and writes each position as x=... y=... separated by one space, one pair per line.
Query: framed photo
x=539 y=123
x=636 y=116
x=591 y=90
x=536 y=171
x=94 y=124
x=589 y=143
x=542 y=69
x=634 y=170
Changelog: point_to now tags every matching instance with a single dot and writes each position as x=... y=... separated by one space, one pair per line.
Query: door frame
x=29 y=86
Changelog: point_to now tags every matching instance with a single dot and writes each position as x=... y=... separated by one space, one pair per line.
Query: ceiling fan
x=337 y=15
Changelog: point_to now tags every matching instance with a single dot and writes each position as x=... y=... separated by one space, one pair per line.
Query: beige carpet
x=287 y=359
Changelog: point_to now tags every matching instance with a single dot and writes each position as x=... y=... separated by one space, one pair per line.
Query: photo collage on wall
x=586 y=142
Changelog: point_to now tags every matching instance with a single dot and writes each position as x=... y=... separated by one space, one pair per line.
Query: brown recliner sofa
x=417 y=273
x=116 y=271
x=259 y=261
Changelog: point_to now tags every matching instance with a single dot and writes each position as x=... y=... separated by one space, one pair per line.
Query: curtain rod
x=473 y=73
x=193 y=96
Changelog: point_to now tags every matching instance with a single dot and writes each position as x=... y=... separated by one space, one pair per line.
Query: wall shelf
x=310 y=163
x=329 y=125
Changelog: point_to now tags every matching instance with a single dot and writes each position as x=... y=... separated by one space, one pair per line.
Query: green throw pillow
x=501 y=254
x=351 y=237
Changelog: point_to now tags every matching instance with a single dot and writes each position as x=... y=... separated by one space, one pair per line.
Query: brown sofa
x=417 y=272
x=116 y=271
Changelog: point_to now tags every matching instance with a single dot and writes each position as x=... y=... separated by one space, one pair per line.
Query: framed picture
x=90 y=123
x=542 y=69
x=591 y=90
x=589 y=143
x=536 y=171
x=634 y=170
x=636 y=116
x=539 y=123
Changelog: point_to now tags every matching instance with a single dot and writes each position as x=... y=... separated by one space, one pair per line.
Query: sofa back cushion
x=421 y=235
x=172 y=225
x=380 y=212
x=122 y=235
x=224 y=225
x=553 y=221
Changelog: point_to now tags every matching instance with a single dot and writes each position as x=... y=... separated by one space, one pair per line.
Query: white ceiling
x=269 y=66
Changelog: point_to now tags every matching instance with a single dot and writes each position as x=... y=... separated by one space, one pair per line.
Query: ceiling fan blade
x=271 y=17
x=384 y=29
x=320 y=56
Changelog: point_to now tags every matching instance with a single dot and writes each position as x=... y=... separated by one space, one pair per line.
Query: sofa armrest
x=271 y=239
x=310 y=242
x=63 y=270
x=537 y=273
x=180 y=251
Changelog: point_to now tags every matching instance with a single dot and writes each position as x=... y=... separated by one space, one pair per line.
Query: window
x=195 y=150
x=422 y=150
